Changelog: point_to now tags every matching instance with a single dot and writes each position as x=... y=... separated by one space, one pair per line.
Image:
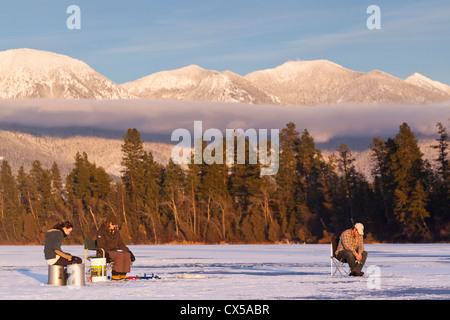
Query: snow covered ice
x=240 y=272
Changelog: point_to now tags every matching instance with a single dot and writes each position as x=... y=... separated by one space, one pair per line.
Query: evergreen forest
x=407 y=198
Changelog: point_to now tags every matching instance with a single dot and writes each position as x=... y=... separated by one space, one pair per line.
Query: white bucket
x=75 y=274
x=98 y=269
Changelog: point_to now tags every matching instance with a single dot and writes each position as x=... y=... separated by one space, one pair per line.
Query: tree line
x=309 y=198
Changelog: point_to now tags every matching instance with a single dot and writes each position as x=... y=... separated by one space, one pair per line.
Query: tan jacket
x=348 y=242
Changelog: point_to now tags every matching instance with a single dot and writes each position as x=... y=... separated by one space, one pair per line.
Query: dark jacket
x=110 y=239
x=53 y=241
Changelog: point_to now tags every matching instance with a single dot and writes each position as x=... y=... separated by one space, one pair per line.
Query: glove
x=133 y=259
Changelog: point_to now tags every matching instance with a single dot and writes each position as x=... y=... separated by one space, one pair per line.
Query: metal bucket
x=98 y=269
x=76 y=277
x=56 y=275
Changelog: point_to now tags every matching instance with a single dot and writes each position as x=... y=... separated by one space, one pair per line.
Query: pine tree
x=27 y=193
x=10 y=209
x=439 y=196
x=382 y=175
x=407 y=168
x=287 y=181
x=442 y=160
x=88 y=187
x=56 y=180
x=173 y=196
x=310 y=167
x=214 y=180
x=41 y=182
x=149 y=195
x=133 y=153
x=347 y=167
x=244 y=188
x=57 y=206
x=132 y=178
x=329 y=184
x=418 y=212
x=193 y=183
x=244 y=179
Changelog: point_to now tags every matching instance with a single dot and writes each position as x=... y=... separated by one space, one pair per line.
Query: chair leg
x=336 y=268
x=85 y=263
x=339 y=267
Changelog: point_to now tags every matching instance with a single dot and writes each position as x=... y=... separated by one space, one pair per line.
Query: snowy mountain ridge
x=31 y=74
x=197 y=84
x=321 y=82
x=311 y=83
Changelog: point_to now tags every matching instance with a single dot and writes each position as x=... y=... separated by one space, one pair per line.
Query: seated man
x=351 y=247
x=109 y=239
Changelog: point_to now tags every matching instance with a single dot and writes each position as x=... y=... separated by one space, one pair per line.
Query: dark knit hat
x=112 y=218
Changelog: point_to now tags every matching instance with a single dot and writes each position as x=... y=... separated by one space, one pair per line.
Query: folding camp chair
x=338 y=264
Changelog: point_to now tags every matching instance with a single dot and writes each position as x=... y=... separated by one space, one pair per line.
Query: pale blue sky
x=126 y=40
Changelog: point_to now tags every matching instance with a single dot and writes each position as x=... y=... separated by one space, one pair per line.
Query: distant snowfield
x=241 y=272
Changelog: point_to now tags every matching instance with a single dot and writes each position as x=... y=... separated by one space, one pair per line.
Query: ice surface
x=210 y=272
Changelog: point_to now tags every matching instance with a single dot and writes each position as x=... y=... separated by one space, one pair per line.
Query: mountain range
x=31 y=74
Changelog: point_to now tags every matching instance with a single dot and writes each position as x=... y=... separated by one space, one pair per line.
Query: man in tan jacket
x=351 y=248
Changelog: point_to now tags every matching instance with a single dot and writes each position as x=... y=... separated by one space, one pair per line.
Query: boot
x=115 y=276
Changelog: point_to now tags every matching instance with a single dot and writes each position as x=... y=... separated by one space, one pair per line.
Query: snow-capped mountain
x=28 y=74
x=379 y=87
x=424 y=82
x=303 y=82
x=323 y=82
x=198 y=84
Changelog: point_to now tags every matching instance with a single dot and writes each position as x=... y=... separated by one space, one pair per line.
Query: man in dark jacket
x=109 y=239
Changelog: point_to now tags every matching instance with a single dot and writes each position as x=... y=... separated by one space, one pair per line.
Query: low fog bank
x=156 y=120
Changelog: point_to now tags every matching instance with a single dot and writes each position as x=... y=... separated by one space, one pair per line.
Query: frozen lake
x=236 y=272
